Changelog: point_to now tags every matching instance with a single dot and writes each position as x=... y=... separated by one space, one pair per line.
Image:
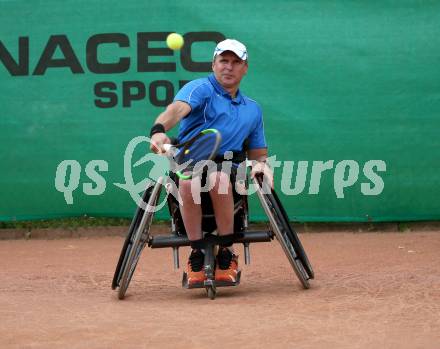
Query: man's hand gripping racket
x=189 y=158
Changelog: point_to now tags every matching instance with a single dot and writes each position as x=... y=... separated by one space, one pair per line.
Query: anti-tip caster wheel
x=211 y=292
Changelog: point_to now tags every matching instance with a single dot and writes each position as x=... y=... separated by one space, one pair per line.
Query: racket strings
x=201 y=149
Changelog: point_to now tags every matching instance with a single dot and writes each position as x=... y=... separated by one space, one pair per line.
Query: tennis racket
x=192 y=157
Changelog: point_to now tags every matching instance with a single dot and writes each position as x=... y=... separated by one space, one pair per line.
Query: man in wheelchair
x=215 y=102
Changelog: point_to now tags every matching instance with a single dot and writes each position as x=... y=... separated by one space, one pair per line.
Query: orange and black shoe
x=195 y=273
x=227 y=266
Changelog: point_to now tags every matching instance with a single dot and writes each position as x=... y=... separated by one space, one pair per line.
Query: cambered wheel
x=291 y=254
x=291 y=235
x=138 y=241
x=129 y=239
x=280 y=226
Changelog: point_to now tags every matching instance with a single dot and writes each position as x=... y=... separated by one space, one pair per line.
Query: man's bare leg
x=190 y=210
x=222 y=202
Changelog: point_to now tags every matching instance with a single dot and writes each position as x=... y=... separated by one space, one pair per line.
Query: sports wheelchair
x=139 y=235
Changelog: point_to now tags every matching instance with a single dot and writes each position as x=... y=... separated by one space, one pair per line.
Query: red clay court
x=372 y=290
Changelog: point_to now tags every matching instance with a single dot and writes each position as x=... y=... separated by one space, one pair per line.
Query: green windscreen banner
x=350 y=93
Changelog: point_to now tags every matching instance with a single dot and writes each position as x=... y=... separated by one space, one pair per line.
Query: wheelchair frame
x=139 y=236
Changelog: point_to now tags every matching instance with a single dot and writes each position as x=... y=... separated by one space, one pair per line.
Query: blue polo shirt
x=237 y=119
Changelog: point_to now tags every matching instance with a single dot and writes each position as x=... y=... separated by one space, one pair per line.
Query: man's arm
x=168 y=119
x=173 y=114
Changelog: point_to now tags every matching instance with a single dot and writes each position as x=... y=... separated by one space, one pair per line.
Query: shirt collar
x=238 y=98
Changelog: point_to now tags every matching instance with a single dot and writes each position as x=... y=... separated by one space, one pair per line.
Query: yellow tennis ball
x=175 y=41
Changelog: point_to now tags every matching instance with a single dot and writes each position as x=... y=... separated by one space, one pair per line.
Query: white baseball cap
x=231 y=45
